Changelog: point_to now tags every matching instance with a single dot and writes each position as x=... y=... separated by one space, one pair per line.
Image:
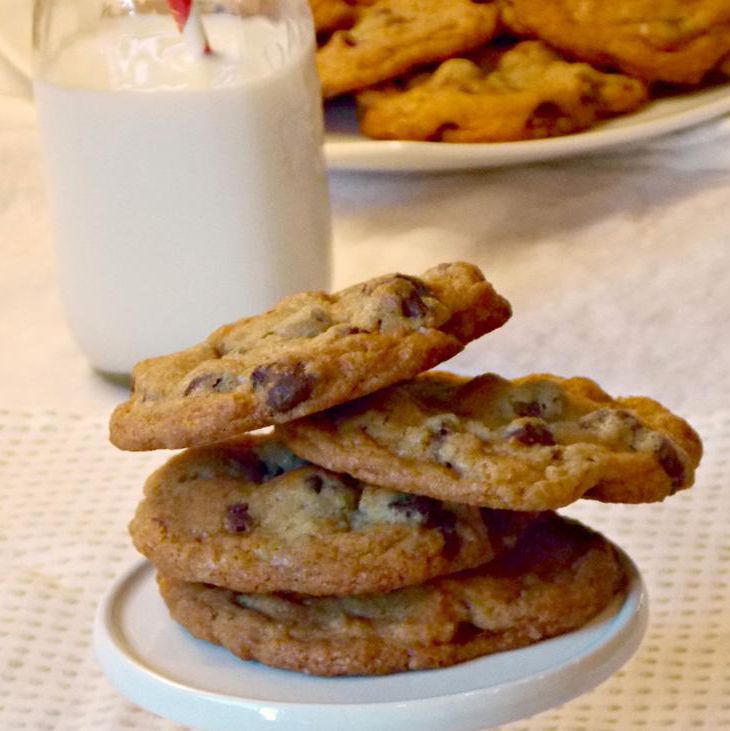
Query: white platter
x=347 y=149
x=159 y=666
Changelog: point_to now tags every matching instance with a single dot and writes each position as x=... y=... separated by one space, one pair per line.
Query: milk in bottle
x=187 y=190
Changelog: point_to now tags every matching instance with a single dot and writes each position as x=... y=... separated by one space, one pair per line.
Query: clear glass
x=188 y=189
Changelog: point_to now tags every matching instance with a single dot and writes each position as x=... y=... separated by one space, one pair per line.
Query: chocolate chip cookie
x=312 y=351
x=557 y=578
x=536 y=443
x=526 y=92
x=393 y=36
x=250 y=516
x=656 y=40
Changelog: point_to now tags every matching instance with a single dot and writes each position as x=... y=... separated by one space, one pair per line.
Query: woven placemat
x=67 y=495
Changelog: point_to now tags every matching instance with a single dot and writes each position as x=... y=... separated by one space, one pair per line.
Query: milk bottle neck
x=137 y=44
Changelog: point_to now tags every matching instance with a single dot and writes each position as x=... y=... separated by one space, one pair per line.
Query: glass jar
x=188 y=189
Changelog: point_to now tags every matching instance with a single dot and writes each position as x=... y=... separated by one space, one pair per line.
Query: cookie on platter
x=393 y=36
x=525 y=92
x=676 y=41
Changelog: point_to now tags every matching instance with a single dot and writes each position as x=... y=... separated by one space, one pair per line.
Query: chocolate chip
x=237 y=518
x=671 y=463
x=260 y=375
x=199 y=382
x=413 y=306
x=249 y=466
x=545 y=118
x=421 y=289
x=436 y=442
x=507 y=527
x=209 y=382
x=314 y=482
x=289 y=391
x=415 y=506
x=531 y=433
x=527 y=408
x=592 y=92
x=436 y=439
x=286 y=385
x=438 y=134
x=465 y=632
x=431 y=514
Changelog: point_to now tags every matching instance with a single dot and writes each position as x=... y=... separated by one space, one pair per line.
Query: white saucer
x=159 y=666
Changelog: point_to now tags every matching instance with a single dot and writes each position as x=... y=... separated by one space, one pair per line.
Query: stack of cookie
x=506 y=70
x=393 y=519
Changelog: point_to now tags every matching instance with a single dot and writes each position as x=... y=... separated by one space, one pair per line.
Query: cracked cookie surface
x=536 y=443
x=677 y=41
x=250 y=516
x=312 y=351
x=393 y=36
x=525 y=92
x=556 y=579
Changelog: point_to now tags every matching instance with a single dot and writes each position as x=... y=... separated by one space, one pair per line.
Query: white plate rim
x=404 y=156
x=169 y=698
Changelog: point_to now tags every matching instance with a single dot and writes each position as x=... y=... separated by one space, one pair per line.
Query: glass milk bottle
x=183 y=145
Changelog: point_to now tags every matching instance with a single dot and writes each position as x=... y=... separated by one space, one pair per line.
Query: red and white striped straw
x=190 y=24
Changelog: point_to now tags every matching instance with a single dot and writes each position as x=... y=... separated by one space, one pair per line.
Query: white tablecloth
x=618 y=268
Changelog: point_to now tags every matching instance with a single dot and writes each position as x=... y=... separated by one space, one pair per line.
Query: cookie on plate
x=557 y=578
x=312 y=351
x=526 y=92
x=393 y=36
x=250 y=516
x=536 y=443
x=656 y=40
